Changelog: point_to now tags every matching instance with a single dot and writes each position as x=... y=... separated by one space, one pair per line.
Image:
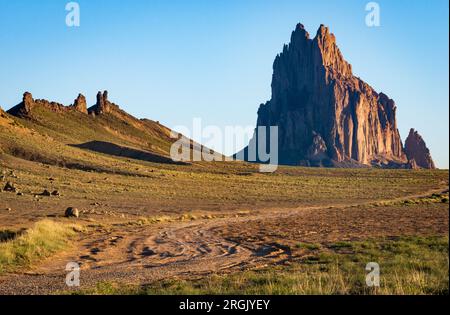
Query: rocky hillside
x=83 y=137
x=327 y=116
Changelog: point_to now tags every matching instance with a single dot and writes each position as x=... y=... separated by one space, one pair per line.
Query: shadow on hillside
x=121 y=151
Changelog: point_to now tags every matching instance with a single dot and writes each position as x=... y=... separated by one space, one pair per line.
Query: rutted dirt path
x=142 y=254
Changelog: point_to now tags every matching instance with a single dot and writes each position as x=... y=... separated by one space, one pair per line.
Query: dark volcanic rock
x=46 y=193
x=325 y=113
x=10 y=187
x=72 y=212
x=417 y=152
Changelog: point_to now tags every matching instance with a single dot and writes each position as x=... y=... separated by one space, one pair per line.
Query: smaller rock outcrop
x=24 y=109
x=28 y=102
x=103 y=105
x=80 y=104
x=417 y=152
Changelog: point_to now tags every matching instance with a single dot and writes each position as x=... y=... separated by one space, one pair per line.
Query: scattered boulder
x=72 y=212
x=46 y=193
x=10 y=187
x=56 y=193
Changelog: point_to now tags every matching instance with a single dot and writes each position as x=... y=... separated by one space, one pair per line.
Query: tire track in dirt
x=131 y=254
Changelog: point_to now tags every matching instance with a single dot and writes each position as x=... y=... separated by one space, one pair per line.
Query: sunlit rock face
x=326 y=116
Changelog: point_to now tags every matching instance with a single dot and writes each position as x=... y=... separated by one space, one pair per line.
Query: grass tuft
x=42 y=240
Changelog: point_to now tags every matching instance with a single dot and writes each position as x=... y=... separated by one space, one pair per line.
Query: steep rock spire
x=417 y=152
x=318 y=102
x=80 y=104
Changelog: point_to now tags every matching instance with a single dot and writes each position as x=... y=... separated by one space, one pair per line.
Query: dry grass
x=414 y=265
x=42 y=240
x=93 y=176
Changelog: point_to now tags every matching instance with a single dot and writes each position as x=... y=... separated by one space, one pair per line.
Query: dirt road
x=142 y=254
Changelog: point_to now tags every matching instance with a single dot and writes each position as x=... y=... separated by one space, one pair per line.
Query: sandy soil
x=143 y=254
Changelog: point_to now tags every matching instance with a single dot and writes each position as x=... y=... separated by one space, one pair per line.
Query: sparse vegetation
x=42 y=240
x=209 y=214
x=412 y=265
x=308 y=246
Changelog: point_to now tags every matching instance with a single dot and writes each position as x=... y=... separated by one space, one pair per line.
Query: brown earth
x=134 y=254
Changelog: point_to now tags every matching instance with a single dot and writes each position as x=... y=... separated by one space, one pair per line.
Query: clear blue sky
x=175 y=60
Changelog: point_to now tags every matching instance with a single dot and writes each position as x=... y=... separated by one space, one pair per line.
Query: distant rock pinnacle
x=103 y=105
x=417 y=151
x=80 y=104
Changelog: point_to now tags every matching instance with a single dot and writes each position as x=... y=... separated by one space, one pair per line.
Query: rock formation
x=325 y=115
x=24 y=109
x=80 y=104
x=72 y=212
x=103 y=105
x=417 y=152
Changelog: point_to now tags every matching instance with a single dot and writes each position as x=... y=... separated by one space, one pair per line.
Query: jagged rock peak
x=330 y=54
x=24 y=108
x=325 y=52
x=325 y=114
x=103 y=105
x=417 y=152
x=27 y=99
x=28 y=102
x=300 y=32
x=80 y=104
